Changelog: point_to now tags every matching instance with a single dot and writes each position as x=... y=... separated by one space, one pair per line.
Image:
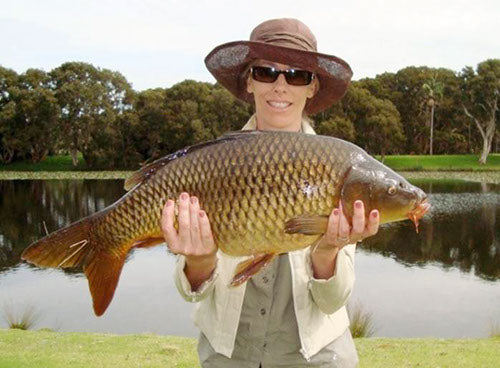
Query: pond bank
x=56 y=349
x=479 y=176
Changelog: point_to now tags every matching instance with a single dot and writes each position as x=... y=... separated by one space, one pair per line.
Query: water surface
x=443 y=282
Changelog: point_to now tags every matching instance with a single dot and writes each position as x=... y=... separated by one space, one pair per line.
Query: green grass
x=50 y=163
x=378 y=352
x=54 y=349
x=85 y=350
x=398 y=163
x=441 y=162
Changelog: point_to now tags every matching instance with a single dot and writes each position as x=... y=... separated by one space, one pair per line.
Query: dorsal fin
x=147 y=171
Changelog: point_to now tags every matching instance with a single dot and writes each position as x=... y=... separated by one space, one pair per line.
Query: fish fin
x=103 y=272
x=148 y=242
x=145 y=172
x=250 y=267
x=307 y=225
x=66 y=247
x=78 y=246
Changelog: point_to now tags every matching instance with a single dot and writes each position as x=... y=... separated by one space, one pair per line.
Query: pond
x=442 y=282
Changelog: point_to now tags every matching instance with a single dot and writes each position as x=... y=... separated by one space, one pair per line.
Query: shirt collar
x=252 y=125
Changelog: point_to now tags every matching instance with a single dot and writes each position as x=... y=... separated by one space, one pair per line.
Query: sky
x=157 y=43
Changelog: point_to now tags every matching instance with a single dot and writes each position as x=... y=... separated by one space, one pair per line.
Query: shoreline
x=492 y=177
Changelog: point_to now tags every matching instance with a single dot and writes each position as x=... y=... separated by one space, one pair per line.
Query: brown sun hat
x=285 y=41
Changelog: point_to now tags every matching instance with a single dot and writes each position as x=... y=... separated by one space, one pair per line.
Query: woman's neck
x=295 y=126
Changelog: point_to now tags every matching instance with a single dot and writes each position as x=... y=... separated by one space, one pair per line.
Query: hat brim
x=228 y=63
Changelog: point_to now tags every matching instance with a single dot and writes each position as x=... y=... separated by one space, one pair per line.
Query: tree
x=404 y=90
x=480 y=95
x=149 y=134
x=90 y=100
x=433 y=90
x=337 y=126
x=377 y=121
x=36 y=115
x=8 y=91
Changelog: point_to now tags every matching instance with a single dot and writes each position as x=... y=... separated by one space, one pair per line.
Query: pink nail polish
x=169 y=203
x=202 y=214
x=358 y=204
x=184 y=196
x=375 y=214
x=194 y=200
x=336 y=212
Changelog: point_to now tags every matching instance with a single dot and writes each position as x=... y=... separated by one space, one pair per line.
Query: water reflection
x=27 y=207
x=415 y=284
x=462 y=229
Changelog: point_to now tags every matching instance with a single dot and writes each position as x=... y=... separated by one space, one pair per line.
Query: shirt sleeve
x=332 y=294
x=184 y=287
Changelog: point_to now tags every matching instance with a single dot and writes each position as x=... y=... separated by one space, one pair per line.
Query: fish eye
x=391 y=190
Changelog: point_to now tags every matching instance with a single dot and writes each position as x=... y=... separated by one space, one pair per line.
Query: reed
x=361 y=321
x=21 y=319
x=495 y=329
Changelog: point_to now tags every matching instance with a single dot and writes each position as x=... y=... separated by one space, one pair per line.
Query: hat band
x=288 y=39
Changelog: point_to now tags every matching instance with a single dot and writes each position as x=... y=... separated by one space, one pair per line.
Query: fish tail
x=78 y=246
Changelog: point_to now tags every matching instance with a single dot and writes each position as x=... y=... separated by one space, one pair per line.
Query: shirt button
x=263 y=311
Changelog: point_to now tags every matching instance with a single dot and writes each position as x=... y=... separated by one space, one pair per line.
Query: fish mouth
x=418 y=212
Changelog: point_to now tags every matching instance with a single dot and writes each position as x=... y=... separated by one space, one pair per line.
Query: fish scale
x=265 y=193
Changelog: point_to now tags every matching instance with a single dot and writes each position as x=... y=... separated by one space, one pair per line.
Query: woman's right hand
x=194 y=240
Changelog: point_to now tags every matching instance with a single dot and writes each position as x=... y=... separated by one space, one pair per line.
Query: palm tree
x=433 y=90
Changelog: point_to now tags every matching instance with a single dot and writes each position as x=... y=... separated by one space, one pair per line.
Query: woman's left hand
x=338 y=234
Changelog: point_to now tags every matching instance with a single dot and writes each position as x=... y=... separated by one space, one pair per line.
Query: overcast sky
x=156 y=43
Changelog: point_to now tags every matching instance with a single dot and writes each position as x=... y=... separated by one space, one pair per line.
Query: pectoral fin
x=250 y=267
x=307 y=225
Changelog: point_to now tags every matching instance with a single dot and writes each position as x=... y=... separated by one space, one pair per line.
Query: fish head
x=382 y=189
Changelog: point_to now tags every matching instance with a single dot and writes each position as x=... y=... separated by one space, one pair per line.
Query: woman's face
x=278 y=105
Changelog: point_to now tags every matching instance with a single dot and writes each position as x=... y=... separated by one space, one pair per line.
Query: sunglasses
x=294 y=77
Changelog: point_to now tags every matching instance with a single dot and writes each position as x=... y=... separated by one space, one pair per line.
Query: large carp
x=265 y=193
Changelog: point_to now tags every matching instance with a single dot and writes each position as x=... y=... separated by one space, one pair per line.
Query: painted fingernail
x=358 y=204
x=202 y=214
x=169 y=203
x=184 y=196
x=375 y=214
x=194 y=200
x=336 y=212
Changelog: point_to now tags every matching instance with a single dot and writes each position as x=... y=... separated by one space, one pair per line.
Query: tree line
x=77 y=108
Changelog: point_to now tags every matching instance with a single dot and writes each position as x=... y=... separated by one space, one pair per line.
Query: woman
x=293 y=312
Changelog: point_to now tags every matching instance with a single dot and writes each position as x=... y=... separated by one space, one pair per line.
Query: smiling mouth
x=279 y=104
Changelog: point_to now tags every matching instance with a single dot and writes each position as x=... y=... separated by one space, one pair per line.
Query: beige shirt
x=268 y=334
x=319 y=305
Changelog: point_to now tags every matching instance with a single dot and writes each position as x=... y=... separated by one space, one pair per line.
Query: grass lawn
x=441 y=162
x=50 y=163
x=54 y=349
x=398 y=163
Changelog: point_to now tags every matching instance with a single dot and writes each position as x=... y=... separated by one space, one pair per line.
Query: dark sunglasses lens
x=263 y=74
x=293 y=76
x=298 y=77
